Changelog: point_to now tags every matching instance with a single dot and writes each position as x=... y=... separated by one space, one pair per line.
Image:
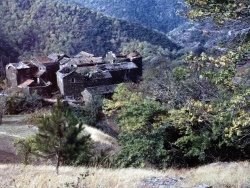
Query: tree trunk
x=58 y=162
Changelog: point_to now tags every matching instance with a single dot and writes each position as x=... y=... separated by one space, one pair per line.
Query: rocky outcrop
x=168 y=182
x=160 y=182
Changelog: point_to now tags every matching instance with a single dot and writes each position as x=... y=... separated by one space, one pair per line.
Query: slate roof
x=87 y=60
x=57 y=56
x=64 y=60
x=84 y=54
x=43 y=60
x=84 y=58
x=118 y=66
x=99 y=75
x=21 y=65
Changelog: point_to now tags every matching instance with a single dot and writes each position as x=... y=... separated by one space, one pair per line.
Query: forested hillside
x=157 y=14
x=188 y=109
x=33 y=27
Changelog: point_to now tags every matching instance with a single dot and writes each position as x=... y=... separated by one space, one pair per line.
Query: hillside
x=157 y=14
x=208 y=36
x=217 y=175
x=42 y=27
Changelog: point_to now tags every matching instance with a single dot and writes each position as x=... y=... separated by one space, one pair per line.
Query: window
x=73 y=80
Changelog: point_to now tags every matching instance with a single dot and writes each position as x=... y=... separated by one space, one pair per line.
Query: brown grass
x=218 y=175
x=103 y=142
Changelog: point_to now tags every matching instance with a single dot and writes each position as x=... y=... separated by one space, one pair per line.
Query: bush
x=89 y=113
x=19 y=103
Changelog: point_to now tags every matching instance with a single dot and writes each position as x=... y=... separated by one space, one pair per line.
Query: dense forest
x=42 y=27
x=156 y=14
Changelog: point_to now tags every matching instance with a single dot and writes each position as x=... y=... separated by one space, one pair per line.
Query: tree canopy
x=219 y=10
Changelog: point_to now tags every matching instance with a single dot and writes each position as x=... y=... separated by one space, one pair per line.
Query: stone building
x=36 y=75
x=74 y=75
x=82 y=59
x=86 y=74
x=73 y=80
x=17 y=73
x=105 y=91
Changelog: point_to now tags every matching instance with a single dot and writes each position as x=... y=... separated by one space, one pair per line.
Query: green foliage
x=146 y=50
x=31 y=28
x=89 y=113
x=64 y=136
x=219 y=10
x=204 y=117
x=198 y=112
x=180 y=73
x=140 y=149
x=140 y=120
x=92 y=110
x=17 y=103
x=122 y=97
x=165 y=23
x=25 y=148
x=35 y=117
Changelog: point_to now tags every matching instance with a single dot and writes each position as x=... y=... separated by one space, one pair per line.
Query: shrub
x=18 y=103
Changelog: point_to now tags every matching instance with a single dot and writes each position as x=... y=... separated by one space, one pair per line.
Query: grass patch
x=217 y=175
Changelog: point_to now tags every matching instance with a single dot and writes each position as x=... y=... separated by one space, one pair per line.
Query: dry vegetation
x=103 y=142
x=218 y=175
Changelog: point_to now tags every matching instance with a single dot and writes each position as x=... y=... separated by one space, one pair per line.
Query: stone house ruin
x=36 y=75
x=72 y=81
x=84 y=74
x=81 y=76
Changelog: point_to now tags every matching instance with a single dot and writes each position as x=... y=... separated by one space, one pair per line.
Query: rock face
x=157 y=14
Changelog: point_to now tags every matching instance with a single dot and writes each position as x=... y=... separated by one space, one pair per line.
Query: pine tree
x=61 y=136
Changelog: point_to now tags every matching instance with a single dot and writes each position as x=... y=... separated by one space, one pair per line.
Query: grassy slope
x=218 y=175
